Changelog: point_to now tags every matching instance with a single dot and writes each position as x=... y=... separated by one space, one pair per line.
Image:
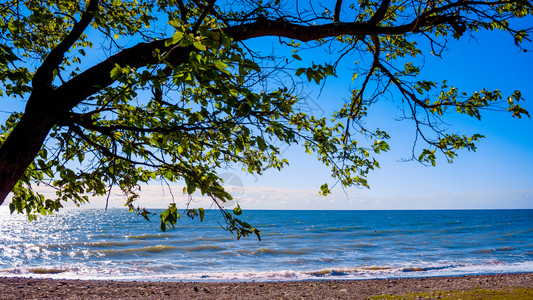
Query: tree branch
x=380 y=12
x=408 y=95
x=305 y=33
x=337 y=13
x=108 y=130
x=104 y=150
x=43 y=76
x=94 y=79
x=203 y=15
x=358 y=99
x=183 y=11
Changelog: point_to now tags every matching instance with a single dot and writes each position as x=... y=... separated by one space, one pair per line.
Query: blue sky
x=498 y=175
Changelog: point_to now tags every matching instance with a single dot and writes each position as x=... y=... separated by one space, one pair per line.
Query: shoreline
x=33 y=288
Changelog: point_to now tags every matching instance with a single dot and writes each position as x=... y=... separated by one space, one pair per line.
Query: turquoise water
x=296 y=245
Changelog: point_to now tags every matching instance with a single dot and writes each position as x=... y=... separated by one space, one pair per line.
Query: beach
x=31 y=288
x=88 y=254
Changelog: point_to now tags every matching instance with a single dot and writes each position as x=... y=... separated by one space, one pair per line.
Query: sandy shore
x=28 y=288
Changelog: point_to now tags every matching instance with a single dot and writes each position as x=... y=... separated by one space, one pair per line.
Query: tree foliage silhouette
x=119 y=93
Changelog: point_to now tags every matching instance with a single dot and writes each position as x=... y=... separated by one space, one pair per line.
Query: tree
x=177 y=95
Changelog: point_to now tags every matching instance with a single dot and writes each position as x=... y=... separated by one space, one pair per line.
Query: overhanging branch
x=43 y=76
x=94 y=79
x=380 y=12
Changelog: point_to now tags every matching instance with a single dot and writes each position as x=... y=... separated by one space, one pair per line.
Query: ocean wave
x=77 y=245
x=157 y=248
x=216 y=239
x=148 y=236
x=368 y=272
x=271 y=251
x=34 y=270
x=492 y=250
x=169 y=273
x=328 y=259
x=363 y=245
x=202 y=248
x=46 y=270
x=109 y=244
x=104 y=236
x=355 y=273
x=350 y=271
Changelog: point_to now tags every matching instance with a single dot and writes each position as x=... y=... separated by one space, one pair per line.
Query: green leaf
x=237 y=210
x=198 y=45
x=261 y=143
x=220 y=65
x=176 y=38
x=201 y=213
x=169 y=217
x=427 y=156
x=116 y=72
x=324 y=190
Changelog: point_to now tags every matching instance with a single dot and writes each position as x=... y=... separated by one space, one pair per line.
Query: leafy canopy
x=142 y=90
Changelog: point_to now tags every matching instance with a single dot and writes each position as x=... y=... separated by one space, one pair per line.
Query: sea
x=295 y=245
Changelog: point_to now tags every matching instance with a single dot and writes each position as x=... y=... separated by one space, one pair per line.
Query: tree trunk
x=21 y=147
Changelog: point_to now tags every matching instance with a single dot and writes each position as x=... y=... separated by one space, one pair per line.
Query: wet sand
x=29 y=288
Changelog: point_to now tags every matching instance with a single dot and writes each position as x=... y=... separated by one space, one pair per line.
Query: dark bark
x=22 y=146
x=380 y=12
x=337 y=13
x=43 y=76
x=43 y=110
